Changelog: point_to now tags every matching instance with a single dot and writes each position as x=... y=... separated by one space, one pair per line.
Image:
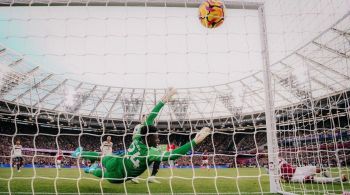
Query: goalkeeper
x=136 y=134
x=141 y=153
x=149 y=120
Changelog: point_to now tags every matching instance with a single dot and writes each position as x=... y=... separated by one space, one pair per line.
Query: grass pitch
x=176 y=181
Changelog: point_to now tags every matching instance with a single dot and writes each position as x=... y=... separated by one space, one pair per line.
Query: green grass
x=178 y=181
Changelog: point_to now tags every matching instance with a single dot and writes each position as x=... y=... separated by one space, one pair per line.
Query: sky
x=134 y=46
x=138 y=47
x=160 y=47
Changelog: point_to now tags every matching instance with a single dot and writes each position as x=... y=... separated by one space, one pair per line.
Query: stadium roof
x=317 y=69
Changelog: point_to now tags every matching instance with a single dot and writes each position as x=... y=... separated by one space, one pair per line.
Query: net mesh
x=67 y=102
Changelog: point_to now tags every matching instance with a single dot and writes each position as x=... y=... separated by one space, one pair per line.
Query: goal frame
x=272 y=142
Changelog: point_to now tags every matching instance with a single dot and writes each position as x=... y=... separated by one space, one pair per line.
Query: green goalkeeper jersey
x=149 y=120
x=139 y=157
x=121 y=168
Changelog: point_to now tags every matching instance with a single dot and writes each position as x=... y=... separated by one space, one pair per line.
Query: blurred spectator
x=322 y=148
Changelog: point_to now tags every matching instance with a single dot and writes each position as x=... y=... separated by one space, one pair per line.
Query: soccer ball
x=211 y=13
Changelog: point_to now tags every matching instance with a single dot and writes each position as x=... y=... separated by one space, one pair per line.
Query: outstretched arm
x=177 y=153
x=153 y=114
x=150 y=118
x=166 y=98
x=92 y=156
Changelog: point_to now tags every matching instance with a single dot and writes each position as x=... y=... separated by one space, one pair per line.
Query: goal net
x=272 y=83
x=313 y=132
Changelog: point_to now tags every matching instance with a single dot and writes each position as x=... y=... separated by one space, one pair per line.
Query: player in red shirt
x=306 y=174
x=170 y=148
x=205 y=161
x=59 y=158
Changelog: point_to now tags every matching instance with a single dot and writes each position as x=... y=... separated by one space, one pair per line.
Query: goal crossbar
x=252 y=5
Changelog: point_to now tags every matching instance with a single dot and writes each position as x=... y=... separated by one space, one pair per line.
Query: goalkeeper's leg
x=86 y=155
x=93 y=157
x=112 y=169
x=109 y=175
x=155 y=170
x=96 y=170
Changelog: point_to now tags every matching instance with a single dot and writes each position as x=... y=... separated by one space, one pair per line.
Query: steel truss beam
x=32 y=70
x=51 y=92
x=299 y=93
x=155 y=97
x=312 y=78
x=143 y=100
x=15 y=62
x=16 y=81
x=190 y=95
x=129 y=106
x=196 y=106
x=100 y=100
x=330 y=49
x=62 y=101
x=321 y=72
x=323 y=66
x=278 y=93
x=322 y=84
x=114 y=103
x=221 y=98
x=229 y=105
x=250 y=90
x=243 y=101
x=84 y=98
x=340 y=32
x=33 y=87
x=180 y=108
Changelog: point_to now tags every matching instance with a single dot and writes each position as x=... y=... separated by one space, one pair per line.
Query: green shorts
x=114 y=169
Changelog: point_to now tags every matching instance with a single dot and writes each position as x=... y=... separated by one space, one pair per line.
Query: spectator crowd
x=225 y=148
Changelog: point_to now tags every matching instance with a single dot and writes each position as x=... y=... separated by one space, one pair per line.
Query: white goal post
x=293 y=110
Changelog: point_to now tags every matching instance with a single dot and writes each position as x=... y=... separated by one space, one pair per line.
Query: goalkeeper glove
x=169 y=94
x=202 y=134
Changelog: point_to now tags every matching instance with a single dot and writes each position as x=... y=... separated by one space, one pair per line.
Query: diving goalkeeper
x=141 y=153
